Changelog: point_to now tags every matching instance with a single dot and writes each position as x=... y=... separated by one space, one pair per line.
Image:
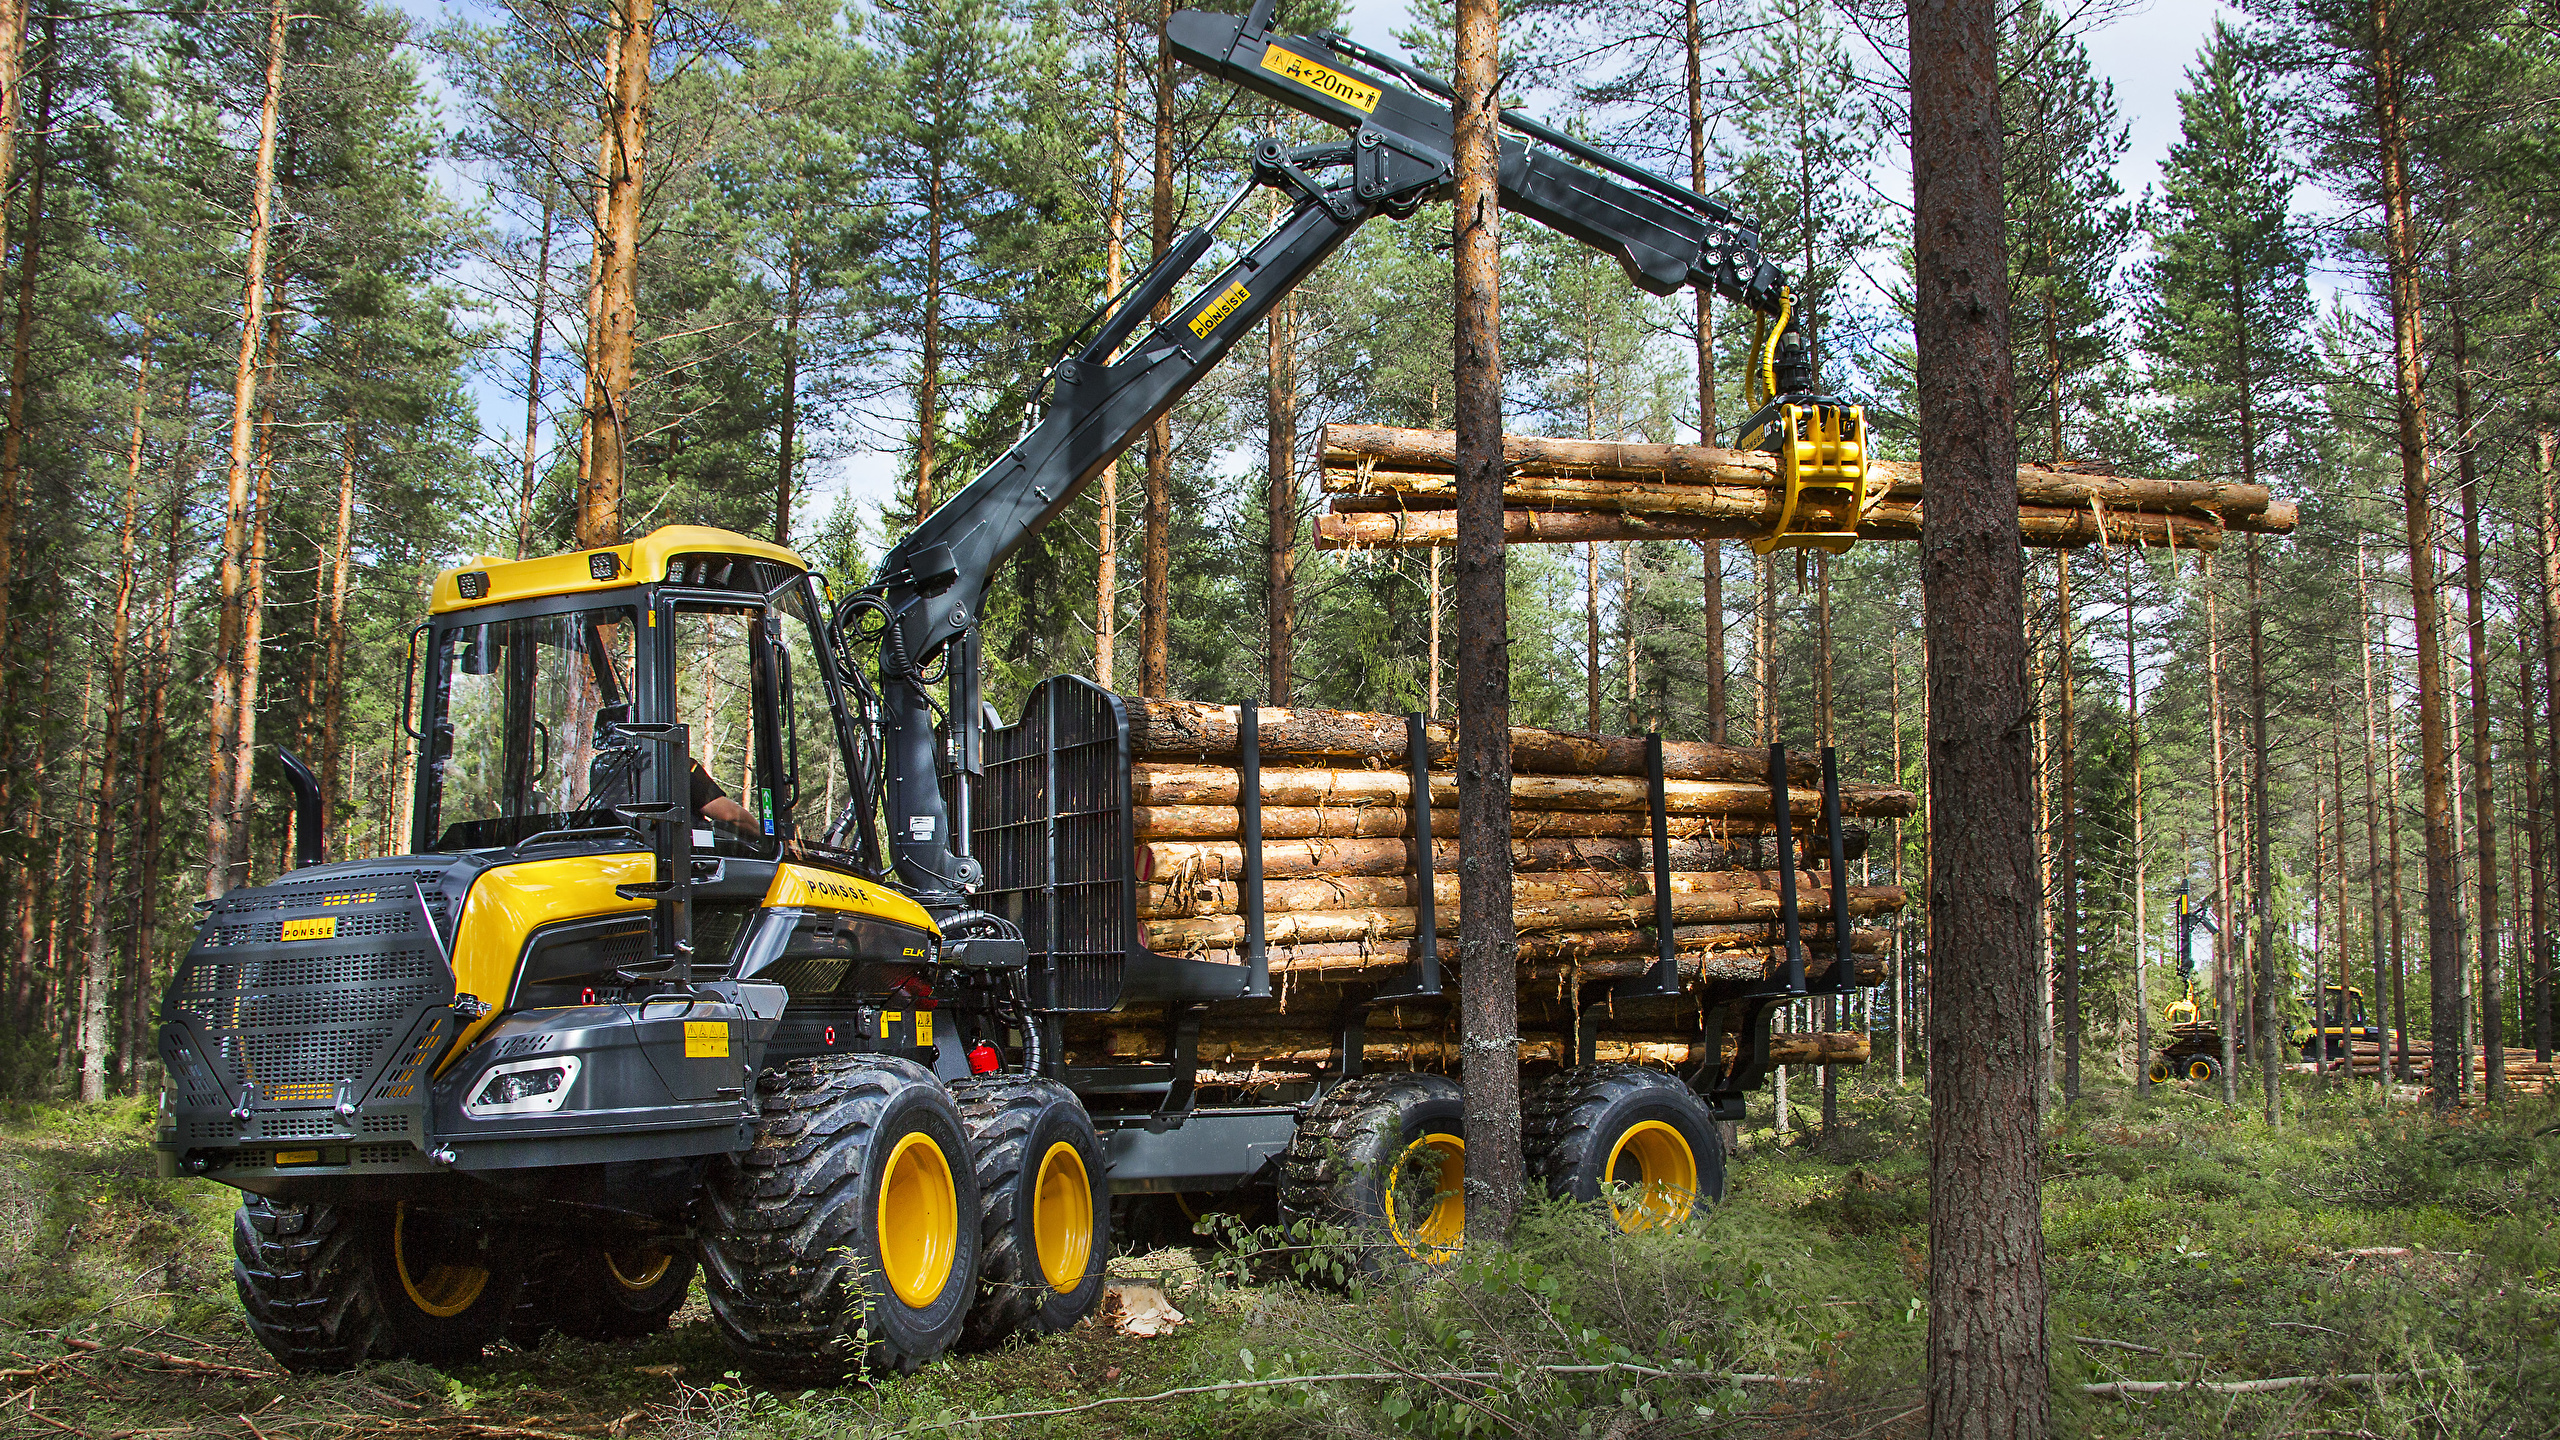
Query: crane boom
x=929 y=591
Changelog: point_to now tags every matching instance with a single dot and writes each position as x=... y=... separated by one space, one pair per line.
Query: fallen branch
x=1373 y=1376
x=2137 y=1349
x=180 y=1361
x=2246 y=1387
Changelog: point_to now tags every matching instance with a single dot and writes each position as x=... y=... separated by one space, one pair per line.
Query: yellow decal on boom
x=1219 y=309
x=1317 y=77
x=706 y=1039
x=324 y=928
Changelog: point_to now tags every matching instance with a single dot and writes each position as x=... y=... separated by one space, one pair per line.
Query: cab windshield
x=518 y=706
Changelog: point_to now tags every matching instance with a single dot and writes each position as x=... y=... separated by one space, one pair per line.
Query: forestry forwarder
x=608 y=1021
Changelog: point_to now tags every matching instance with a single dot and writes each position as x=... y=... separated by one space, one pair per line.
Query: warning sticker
x=924 y=1029
x=324 y=928
x=1317 y=77
x=706 y=1039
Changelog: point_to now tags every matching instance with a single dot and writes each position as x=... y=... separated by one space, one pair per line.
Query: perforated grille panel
x=1051 y=828
x=296 y=1025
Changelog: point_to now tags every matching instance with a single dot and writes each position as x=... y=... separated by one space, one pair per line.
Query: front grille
x=1051 y=828
x=297 y=1025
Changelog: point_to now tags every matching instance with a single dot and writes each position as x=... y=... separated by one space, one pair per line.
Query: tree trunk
x=2546 y=448
x=1281 y=454
x=1987 y=1349
x=1901 y=984
x=97 y=985
x=2067 y=852
x=2372 y=799
x=154 y=744
x=13 y=32
x=618 y=276
x=2229 y=947
x=1710 y=552
x=1155 y=560
x=533 y=379
x=232 y=715
x=253 y=609
x=1106 y=486
x=2391 y=829
x=787 y=446
x=929 y=370
x=333 y=753
x=2435 y=760
x=2483 y=773
x=2270 y=1061
x=1591 y=637
x=1488 y=945
x=2141 y=878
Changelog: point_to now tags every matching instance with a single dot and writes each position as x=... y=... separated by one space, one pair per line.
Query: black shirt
x=705 y=789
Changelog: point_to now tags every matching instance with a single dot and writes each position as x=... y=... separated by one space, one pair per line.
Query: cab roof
x=632 y=563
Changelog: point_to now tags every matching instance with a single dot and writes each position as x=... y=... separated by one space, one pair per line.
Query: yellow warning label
x=1219 y=309
x=924 y=1028
x=1316 y=77
x=324 y=928
x=297 y=1157
x=706 y=1039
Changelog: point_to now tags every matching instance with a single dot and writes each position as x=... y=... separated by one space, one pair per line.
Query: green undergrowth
x=2183 y=1244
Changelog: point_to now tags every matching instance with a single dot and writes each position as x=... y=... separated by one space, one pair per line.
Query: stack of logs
x=1341 y=897
x=1396 y=488
x=2525 y=1074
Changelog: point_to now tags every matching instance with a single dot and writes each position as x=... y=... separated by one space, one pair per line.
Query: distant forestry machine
x=655 y=993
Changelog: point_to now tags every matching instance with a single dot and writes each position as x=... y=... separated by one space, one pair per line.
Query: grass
x=2182 y=1243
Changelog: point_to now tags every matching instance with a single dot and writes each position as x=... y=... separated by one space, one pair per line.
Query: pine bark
x=2226 y=981
x=786 y=453
x=2066 y=856
x=233 y=717
x=1106 y=486
x=533 y=379
x=1281 y=456
x=2269 y=1041
x=97 y=982
x=154 y=744
x=2483 y=772
x=333 y=749
x=617 y=293
x=2141 y=877
x=1988 y=1364
x=1155 y=558
x=1488 y=945
x=2435 y=760
x=2372 y=798
x=13 y=33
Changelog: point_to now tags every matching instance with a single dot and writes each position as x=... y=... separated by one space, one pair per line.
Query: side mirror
x=610 y=718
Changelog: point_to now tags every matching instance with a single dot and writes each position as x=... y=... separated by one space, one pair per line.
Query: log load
x=1394 y=487
x=1341 y=892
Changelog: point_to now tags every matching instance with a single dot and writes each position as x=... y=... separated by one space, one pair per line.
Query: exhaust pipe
x=307 y=848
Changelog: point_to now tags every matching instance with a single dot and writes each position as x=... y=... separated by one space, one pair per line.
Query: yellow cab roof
x=638 y=561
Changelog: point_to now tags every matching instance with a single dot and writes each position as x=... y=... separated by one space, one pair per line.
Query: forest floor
x=2364 y=1239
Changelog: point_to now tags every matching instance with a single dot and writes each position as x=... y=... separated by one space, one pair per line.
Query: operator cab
x=534 y=668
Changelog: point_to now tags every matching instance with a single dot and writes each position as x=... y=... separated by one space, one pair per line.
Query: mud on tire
x=1044 y=1204
x=792 y=1237
x=1383 y=1157
x=1591 y=1130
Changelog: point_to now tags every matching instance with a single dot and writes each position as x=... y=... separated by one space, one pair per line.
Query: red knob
x=983 y=1059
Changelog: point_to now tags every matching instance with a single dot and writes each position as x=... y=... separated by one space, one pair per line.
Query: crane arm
x=926 y=598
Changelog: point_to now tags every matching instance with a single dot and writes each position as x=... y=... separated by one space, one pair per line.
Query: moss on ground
x=2183 y=1243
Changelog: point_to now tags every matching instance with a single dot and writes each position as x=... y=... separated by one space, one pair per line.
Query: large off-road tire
x=1044 y=1201
x=2162 y=1070
x=306 y=1282
x=1384 y=1158
x=328 y=1287
x=619 y=1291
x=1635 y=1138
x=836 y=1242
x=2201 y=1069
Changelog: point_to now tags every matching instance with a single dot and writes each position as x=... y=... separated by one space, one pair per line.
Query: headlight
x=523 y=1087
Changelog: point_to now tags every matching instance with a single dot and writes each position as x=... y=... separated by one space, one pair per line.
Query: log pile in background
x=2526 y=1075
x=1341 y=889
x=1396 y=488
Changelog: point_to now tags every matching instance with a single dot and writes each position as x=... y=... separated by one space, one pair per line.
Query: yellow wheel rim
x=2199 y=1070
x=639 y=1267
x=1435 y=1236
x=1656 y=1163
x=440 y=1288
x=2161 y=1074
x=919 y=1220
x=1062 y=1217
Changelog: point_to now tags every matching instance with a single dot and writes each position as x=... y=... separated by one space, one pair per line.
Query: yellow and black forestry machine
x=653 y=991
